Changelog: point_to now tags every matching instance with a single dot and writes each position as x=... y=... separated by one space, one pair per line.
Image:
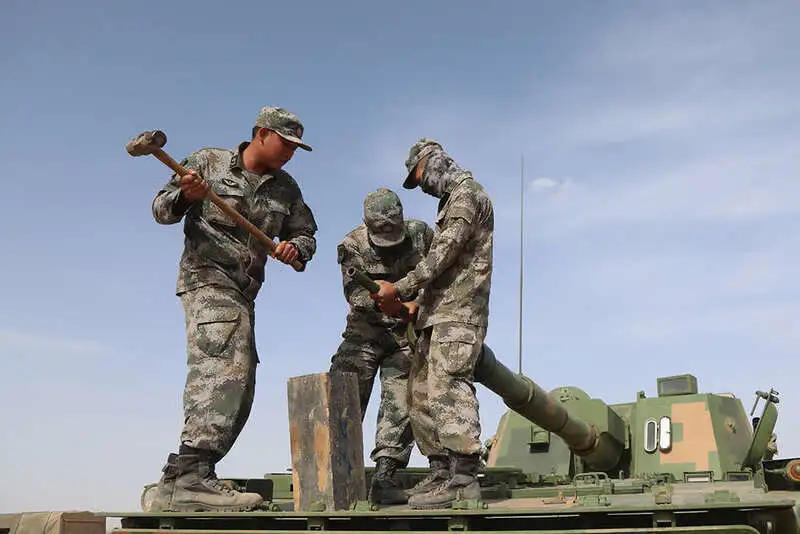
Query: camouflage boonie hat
x=418 y=150
x=286 y=124
x=383 y=217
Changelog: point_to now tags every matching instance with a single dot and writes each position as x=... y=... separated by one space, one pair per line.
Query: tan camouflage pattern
x=222 y=359
x=283 y=122
x=372 y=340
x=456 y=272
x=694 y=419
x=444 y=408
x=216 y=249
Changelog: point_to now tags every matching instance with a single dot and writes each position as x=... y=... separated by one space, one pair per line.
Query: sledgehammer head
x=146 y=143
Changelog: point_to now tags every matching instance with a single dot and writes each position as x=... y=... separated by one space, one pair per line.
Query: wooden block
x=326 y=441
x=63 y=522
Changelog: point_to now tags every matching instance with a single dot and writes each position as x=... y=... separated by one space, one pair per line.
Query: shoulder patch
x=340 y=253
x=192 y=161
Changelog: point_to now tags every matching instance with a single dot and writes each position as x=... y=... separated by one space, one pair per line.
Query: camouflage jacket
x=456 y=273
x=355 y=250
x=216 y=249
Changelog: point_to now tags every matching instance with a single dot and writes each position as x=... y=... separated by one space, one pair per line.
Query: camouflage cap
x=418 y=150
x=383 y=217
x=286 y=124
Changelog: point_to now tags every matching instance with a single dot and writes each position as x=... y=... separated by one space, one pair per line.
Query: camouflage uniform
x=385 y=247
x=220 y=274
x=453 y=317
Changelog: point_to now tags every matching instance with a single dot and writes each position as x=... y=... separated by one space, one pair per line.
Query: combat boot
x=461 y=486
x=384 y=488
x=156 y=497
x=439 y=472
x=197 y=489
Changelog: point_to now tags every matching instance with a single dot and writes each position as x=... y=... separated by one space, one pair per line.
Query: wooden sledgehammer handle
x=167 y=160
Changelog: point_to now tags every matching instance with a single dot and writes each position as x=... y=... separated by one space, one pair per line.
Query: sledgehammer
x=152 y=143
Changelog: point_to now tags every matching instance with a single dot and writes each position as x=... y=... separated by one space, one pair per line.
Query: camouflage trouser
x=222 y=360
x=444 y=408
x=363 y=355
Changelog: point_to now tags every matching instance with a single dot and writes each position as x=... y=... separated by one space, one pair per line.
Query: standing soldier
x=385 y=247
x=221 y=272
x=454 y=311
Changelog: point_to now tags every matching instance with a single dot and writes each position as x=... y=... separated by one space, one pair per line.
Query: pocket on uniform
x=215 y=328
x=456 y=345
x=231 y=195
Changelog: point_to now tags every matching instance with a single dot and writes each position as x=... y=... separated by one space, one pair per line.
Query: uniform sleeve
x=427 y=239
x=169 y=206
x=457 y=228
x=356 y=296
x=300 y=229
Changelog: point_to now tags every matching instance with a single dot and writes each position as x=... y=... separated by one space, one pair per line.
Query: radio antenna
x=521 y=232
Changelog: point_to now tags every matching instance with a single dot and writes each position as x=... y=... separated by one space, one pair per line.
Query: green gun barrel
x=527 y=398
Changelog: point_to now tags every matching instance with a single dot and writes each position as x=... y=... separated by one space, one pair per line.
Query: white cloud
x=744 y=186
x=548 y=185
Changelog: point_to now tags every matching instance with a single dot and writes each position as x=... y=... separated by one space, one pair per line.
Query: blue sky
x=660 y=145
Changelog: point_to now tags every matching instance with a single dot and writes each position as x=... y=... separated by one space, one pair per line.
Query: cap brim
x=389 y=239
x=408 y=183
x=295 y=140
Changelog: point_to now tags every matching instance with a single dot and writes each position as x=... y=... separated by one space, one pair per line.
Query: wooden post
x=326 y=441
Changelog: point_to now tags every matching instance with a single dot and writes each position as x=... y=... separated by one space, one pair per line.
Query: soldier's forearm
x=443 y=252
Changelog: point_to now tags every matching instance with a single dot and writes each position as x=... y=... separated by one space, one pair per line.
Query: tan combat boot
x=197 y=489
x=439 y=472
x=157 y=498
x=462 y=485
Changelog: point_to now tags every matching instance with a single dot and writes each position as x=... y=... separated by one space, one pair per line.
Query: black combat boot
x=439 y=472
x=462 y=485
x=156 y=498
x=197 y=488
x=384 y=488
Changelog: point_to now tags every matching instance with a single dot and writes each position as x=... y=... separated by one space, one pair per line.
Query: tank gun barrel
x=527 y=398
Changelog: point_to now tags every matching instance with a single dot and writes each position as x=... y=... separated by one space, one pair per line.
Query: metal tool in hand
x=153 y=141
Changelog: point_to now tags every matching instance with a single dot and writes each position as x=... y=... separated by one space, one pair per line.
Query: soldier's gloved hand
x=412 y=310
x=286 y=252
x=388 y=298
